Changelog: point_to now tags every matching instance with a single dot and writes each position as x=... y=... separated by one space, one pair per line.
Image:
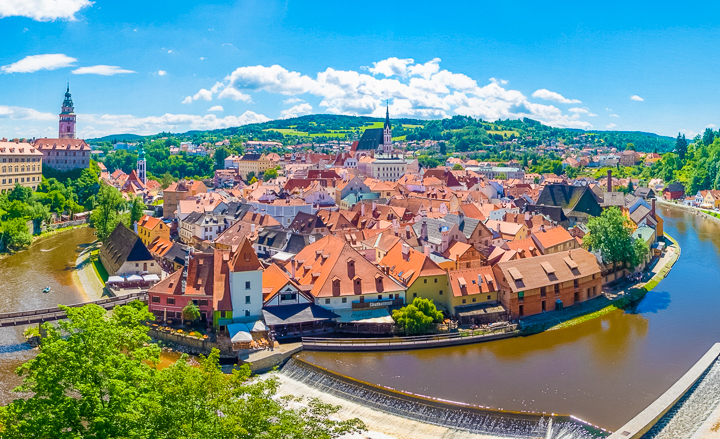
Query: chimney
x=609 y=185
x=362 y=209
x=652 y=208
x=407 y=232
x=406 y=251
x=252 y=228
x=374 y=205
x=292 y=270
x=424 y=231
x=426 y=249
x=479 y=279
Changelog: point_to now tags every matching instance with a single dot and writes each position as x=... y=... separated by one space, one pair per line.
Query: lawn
x=99 y=268
x=504 y=132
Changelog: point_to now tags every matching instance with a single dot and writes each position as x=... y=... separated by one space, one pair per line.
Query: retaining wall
x=192 y=344
x=269 y=362
x=643 y=422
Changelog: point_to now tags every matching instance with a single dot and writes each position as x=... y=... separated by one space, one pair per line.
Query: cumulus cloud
x=711 y=125
x=93 y=125
x=584 y=111
x=610 y=126
x=636 y=98
x=34 y=63
x=296 y=111
x=613 y=115
x=21 y=113
x=499 y=81
x=161 y=73
x=216 y=108
x=421 y=90
x=102 y=70
x=548 y=95
x=42 y=10
x=292 y=101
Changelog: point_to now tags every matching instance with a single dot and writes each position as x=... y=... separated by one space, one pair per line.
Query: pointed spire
x=387 y=116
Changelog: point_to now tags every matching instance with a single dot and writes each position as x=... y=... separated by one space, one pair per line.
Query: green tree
x=191 y=312
x=20 y=193
x=136 y=210
x=250 y=176
x=417 y=317
x=15 y=235
x=681 y=145
x=166 y=180
x=708 y=136
x=93 y=377
x=270 y=174
x=630 y=147
x=105 y=216
x=220 y=155
x=630 y=187
x=457 y=167
x=611 y=235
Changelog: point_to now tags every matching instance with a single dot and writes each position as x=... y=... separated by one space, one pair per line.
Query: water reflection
x=605 y=370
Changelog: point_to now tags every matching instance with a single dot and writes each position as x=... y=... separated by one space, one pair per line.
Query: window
x=435 y=280
x=425 y=280
x=288 y=296
x=464 y=300
x=156 y=299
x=170 y=301
x=247 y=299
x=557 y=288
x=327 y=301
x=344 y=300
x=488 y=297
x=575 y=283
x=203 y=302
x=247 y=285
x=474 y=299
x=414 y=294
x=542 y=291
x=247 y=313
x=441 y=292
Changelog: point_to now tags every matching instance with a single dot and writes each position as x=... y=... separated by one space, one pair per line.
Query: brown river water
x=604 y=371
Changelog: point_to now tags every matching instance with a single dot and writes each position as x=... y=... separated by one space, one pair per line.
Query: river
x=604 y=371
x=50 y=261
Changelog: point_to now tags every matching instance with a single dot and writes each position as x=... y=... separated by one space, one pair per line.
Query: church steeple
x=142 y=166
x=387 y=147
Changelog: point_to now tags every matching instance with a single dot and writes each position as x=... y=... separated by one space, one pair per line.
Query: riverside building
x=20 y=163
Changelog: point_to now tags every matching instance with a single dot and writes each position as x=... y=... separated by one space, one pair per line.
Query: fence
x=403 y=343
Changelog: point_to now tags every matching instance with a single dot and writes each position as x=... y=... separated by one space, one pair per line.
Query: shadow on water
x=18 y=347
x=653 y=302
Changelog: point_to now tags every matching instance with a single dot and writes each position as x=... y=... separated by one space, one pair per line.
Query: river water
x=604 y=371
x=49 y=262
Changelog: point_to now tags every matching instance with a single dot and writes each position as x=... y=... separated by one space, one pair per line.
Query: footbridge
x=52 y=314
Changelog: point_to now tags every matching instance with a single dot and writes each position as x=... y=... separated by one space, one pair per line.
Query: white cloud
x=416 y=90
x=216 y=108
x=711 y=125
x=187 y=100
x=21 y=113
x=102 y=70
x=636 y=98
x=548 y=95
x=499 y=81
x=42 y=10
x=170 y=51
x=296 y=111
x=608 y=109
x=292 y=101
x=202 y=58
x=205 y=95
x=584 y=111
x=690 y=134
x=34 y=63
x=610 y=126
x=93 y=125
x=234 y=94
x=391 y=67
x=161 y=73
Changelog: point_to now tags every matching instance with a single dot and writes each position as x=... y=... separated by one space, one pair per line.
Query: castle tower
x=387 y=133
x=67 y=117
x=142 y=166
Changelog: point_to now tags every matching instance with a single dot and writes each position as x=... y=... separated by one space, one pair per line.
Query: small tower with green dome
x=67 y=117
x=142 y=166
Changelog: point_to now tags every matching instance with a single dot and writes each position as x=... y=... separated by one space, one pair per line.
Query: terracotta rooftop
x=472 y=281
x=543 y=271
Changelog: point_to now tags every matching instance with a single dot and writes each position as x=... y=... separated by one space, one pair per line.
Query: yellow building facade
x=20 y=163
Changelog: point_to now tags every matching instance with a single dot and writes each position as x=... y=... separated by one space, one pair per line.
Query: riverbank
x=85 y=277
x=43 y=235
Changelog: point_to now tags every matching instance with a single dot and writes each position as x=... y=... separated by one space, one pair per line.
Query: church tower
x=387 y=133
x=67 y=117
x=142 y=166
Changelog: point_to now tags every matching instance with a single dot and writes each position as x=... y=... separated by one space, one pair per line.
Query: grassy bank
x=56 y=231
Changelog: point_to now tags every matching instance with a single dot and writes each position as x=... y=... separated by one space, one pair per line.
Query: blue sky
x=145 y=67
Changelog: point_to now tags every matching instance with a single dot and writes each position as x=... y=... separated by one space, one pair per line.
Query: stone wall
x=193 y=345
